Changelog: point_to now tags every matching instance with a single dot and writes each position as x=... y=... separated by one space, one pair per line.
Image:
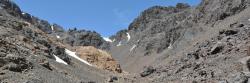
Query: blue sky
x=104 y=16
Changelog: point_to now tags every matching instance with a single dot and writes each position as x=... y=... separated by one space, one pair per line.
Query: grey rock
x=208 y=14
x=16 y=64
x=238 y=78
x=27 y=17
x=45 y=64
x=228 y=32
x=84 y=38
x=43 y=25
x=217 y=48
x=58 y=28
x=11 y=7
x=113 y=79
x=148 y=70
x=60 y=52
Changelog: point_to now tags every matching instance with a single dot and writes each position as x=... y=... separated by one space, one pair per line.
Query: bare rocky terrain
x=208 y=43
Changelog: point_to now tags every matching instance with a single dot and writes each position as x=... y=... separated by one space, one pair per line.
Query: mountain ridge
x=207 y=43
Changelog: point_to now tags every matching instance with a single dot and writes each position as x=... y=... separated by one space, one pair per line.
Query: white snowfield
x=73 y=54
x=132 y=48
x=59 y=60
x=107 y=39
x=58 y=36
x=128 y=36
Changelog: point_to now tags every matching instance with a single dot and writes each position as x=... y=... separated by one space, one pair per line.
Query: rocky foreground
x=208 y=43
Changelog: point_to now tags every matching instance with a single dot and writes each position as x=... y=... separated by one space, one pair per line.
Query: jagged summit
x=11 y=8
x=156 y=12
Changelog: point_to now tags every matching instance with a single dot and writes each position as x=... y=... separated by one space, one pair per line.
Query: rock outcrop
x=84 y=38
x=11 y=8
x=154 y=31
x=211 y=11
x=98 y=58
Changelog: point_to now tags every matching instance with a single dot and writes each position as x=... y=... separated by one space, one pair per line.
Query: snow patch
x=138 y=41
x=219 y=42
x=59 y=60
x=23 y=13
x=58 y=36
x=73 y=54
x=170 y=46
x=107 y=39
x=52 y=28
x=119 y=44
x=132 y=48
x=128 y=36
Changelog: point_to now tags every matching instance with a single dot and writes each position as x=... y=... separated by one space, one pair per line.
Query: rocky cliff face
x=84 y=38
x=154 y=31
x=212 y=11
x=98 y=58
x=187 y=43
x=11 y=8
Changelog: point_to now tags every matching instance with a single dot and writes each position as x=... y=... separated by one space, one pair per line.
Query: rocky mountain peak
x=76 y=37
x=154 y=13
x=11 y=7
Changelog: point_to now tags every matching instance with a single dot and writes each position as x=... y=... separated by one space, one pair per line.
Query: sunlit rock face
x=98 y=58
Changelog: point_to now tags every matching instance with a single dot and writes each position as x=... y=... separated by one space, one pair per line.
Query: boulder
x=147 y=71
x=217 y=48
x=228 y=32
x=113 y=79
x=60 y=52
x=27 y=17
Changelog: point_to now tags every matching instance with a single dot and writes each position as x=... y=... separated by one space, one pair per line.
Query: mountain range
x=208 y=43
